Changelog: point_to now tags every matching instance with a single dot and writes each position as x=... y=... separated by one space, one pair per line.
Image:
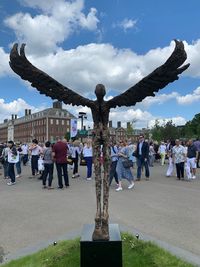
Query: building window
x=67 y=122
x=51 y=121
x=63 y=122
x=57 y=122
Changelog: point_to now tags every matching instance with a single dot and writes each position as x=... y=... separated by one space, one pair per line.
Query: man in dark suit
x=142 y=155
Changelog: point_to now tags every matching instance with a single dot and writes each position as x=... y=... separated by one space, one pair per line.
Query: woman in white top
x=35 y=153
x=87 y=154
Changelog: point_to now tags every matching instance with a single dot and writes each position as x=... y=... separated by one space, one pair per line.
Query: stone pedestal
x=101 y=253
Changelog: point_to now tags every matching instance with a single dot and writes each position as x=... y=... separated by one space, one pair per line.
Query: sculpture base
x=100 y=252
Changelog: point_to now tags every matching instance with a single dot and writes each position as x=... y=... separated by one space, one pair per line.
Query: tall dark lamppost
x=82 y=116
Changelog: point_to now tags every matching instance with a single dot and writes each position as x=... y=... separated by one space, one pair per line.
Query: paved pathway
x=163 y=208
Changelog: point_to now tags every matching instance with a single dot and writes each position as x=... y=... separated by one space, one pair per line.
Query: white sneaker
x=17 y=176
x=119 y=189
x=10 y=183
x=131 y=186
x=89 y=179
x=193 y=177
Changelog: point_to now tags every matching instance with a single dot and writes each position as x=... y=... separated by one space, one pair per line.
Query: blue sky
x=115 y=42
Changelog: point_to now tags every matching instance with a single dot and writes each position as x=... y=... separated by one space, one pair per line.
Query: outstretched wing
x=158 y=79
x=42 y=81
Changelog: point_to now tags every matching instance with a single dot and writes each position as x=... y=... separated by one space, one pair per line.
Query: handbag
x=127 y=163
x=69 y=160
x=40 y=164
x=82 y=161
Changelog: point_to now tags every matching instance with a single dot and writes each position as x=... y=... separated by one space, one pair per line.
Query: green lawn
x=67 y=253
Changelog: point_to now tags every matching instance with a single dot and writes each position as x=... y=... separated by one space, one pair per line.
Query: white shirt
x=179 y=153
x=87 y=151
x=36 y=151
x=24 y=149
x=162 y=149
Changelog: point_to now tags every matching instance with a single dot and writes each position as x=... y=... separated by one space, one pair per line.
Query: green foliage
x=192 y=128
x=67 y=135
x=136 y=253
x=130 y=128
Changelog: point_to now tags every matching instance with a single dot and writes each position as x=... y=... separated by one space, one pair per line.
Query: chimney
x=29 y=112
x=57 y=104
x=15 y=116
x=26 y=112
x=12 y=117
x=119 y=124
x=110 y=124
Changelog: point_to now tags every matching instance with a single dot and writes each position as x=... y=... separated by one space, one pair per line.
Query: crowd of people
x=128 y=160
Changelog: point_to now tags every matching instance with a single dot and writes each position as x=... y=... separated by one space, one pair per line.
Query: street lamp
x=82 y=116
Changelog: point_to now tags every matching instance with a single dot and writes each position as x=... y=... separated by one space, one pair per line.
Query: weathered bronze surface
x=158 y=79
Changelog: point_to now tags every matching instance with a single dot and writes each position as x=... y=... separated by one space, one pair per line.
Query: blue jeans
x=48 y=171
x=25 y=159
x=89 y=166
x=113 y=172
x=140 y=163
x=18 y=167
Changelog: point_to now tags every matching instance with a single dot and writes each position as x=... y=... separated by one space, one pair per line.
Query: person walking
x=87 y=154
x=13 y=157
x=122 y=172
x=75 y=152
x=113 y=165
x=35 y=153
x=59 y=153
x=151 y=154
x=170 y=168
x=142 y=155
x=191 y=161
x=162 y=151
x=48 y=165
x=179 y=155
x=24 y=148
x=5 y=160
x=197 y=145
x=18 y=164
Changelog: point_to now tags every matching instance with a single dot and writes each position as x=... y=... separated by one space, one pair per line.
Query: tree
x=130 y=128
x=168 y=131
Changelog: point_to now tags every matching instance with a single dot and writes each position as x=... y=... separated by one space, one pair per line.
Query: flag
x=73 y=131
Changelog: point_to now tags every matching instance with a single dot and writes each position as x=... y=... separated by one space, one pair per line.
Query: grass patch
x=136 y=253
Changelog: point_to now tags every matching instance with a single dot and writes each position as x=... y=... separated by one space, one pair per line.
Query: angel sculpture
x=158 y=79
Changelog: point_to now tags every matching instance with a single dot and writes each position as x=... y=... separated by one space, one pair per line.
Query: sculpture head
x=100 y=91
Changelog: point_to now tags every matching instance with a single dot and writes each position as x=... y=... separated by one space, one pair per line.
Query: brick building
x=44 y=125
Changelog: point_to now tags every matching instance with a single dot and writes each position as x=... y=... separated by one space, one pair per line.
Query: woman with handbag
x=123 y=166
x=48 y=166
x=87 y=154
x=13 y=157
x=75 y=152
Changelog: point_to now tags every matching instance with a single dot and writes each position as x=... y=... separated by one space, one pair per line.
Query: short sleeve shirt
x=60 y=150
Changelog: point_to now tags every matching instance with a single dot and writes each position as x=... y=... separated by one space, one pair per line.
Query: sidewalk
x=163 y=208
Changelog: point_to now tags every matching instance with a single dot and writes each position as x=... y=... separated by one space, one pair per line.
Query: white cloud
x=127 y=24
x=162 y=121
x=4 y=66
x=44 y=32
x=189 y=98
x=158 y=99
x=16 y=107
